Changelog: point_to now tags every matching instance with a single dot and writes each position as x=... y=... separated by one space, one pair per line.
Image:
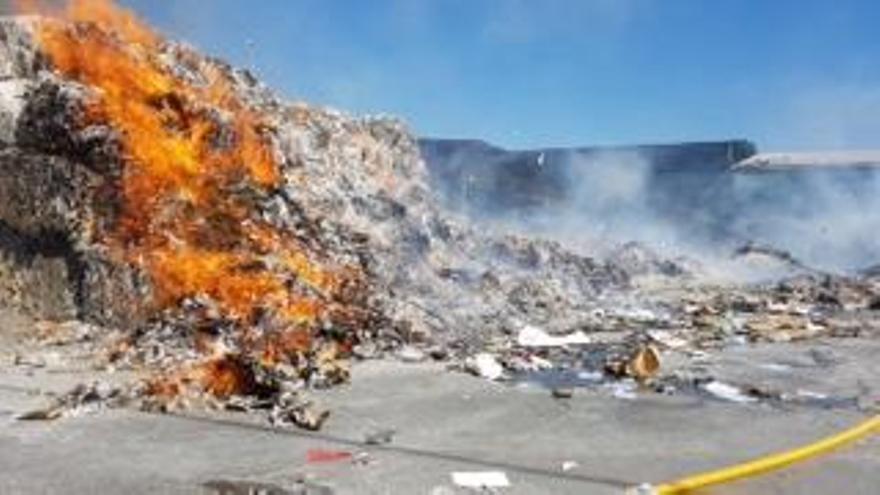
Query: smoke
x=607 y=201
x=596 y=202
x=827 y=218
x=593 y=202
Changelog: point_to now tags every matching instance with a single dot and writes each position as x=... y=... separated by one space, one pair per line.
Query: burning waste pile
x=237 y=250
x=240 y=248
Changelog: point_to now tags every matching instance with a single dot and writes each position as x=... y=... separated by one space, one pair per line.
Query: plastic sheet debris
x=643 y=489
x=667 y=339
x=480 y=479
x=319 y=456
x=809 y=394
x=485 y=365
x=642 y=315
x=590 y=376
x=539 y=363
x=530 y=336
x=727 y=392
x=624 y=389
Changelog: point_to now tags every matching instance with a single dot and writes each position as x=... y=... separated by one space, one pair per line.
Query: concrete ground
x=447 y=422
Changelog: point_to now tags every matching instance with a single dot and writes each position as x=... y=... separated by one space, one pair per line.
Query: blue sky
x=790 y=74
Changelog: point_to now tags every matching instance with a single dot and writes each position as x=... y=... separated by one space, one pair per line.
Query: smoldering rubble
x=352 y=197
x=242 y=286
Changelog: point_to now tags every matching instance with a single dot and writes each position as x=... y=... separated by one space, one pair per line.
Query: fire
x=186 y=146
x=225 y=376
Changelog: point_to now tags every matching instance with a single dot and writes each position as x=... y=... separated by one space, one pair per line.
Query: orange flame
x=186 y=146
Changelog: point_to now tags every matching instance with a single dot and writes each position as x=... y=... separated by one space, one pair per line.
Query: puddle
x=585 y=372
x=556 y=378
x=581 y=370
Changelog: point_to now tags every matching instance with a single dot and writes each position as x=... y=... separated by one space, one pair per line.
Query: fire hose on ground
x=764 y=464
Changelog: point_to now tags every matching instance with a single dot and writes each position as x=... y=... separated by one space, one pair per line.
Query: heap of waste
x=240 y=246
x=239 y=249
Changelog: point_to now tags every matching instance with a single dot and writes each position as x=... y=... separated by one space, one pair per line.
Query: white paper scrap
x=531 y=336
x=486 y=366
x=480 y=479
x=727 y=392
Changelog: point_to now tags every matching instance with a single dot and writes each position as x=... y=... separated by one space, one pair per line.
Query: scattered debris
x=645 y=364
x=245 y=487
x=531 y=336
x=299 y=412
x=300 y=238
x=485 y=365
x=781 y=327
x=563 y=392
x=667 y=339
x=411 y=354
x=362 y=458
x=380 y=437
x=294 y=238
x=309 y=418
x=439 y=353
x=322 y=456
x=82 y=399
x=808 y=394
x=44 y=414
x=727 y=392
x=366 y=350
x=480 y=479
x=53 y=333
x=642 y=489
x=624 y=389
x=590 y=376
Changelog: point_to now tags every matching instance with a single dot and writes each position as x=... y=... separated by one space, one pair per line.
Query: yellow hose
x=771 y=462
